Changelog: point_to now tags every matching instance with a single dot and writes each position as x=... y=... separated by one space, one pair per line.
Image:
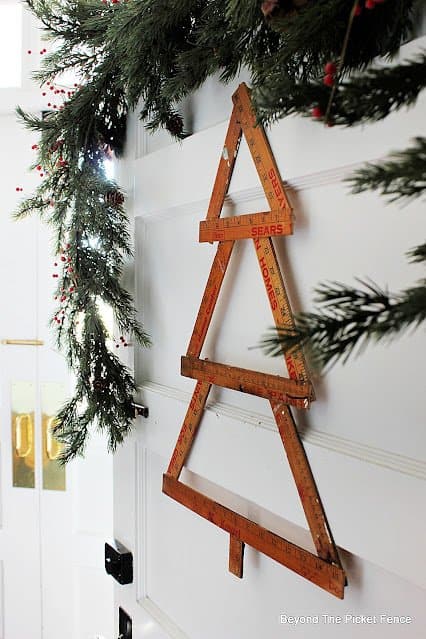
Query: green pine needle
x=347 y=319
x=401 y=176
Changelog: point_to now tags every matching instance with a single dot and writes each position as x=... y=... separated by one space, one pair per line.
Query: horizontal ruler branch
x=326 y=575
x=275 y=387
x=251 y=225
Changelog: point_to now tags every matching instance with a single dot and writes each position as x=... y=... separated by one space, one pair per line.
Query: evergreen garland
x=402 y=176
x=155 y=52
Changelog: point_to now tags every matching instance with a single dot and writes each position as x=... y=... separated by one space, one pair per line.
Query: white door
x=54 y=521
x=370 y=475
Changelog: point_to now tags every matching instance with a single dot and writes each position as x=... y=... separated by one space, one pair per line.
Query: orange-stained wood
x=189 y=428
x=236 y=556
x=251 y=225
x=260 y=150
x=305 y=483
x=279 y=302
x=226 y=167
x=282 y=389
x=211 y=293
x=304 y=563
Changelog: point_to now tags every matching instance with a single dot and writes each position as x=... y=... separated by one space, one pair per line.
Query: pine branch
x=400 y=177
x=349 y=318
x=367 y=97
x=417 y=254
x=104 y=390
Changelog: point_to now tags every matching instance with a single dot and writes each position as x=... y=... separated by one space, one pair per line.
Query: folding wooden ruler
x=323 y=569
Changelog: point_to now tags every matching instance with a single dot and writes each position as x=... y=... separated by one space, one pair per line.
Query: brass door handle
x=23 y=342
x=23 y=435
x=53 y=447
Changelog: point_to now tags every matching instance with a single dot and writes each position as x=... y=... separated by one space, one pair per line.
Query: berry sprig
x=330 y=74
x=122 y=342
x=67 y=286
x=332 y=70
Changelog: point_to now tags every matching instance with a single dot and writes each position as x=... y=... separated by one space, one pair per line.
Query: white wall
x=364 y=435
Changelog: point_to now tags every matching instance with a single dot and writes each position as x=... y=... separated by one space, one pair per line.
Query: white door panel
x=51 y=541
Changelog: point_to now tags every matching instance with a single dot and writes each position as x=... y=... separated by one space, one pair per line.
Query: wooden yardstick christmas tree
x=323 y=569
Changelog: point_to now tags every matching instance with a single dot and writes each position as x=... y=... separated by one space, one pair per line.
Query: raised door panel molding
x=370 y=506
x=184 y=585
x=379 y=456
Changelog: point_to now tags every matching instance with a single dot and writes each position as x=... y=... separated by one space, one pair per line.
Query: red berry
x=370 y=4
x=70 y=269
x=328 y=80
x=55 y=264
x=317 y=112
x=41 y=174
x=67 y=246
x=63 y=258
x=330 y=68
x=38 y=167
x=358 y=10
x=17 y=188
x=51 y=87
x=29 y=51
x=49 y=104
x=71 y=289
x=44 y=93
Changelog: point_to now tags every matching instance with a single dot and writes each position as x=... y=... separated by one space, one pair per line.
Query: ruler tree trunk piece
x=189 y=428
x=305 y=483
x=301 y=561
x=236 y=556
